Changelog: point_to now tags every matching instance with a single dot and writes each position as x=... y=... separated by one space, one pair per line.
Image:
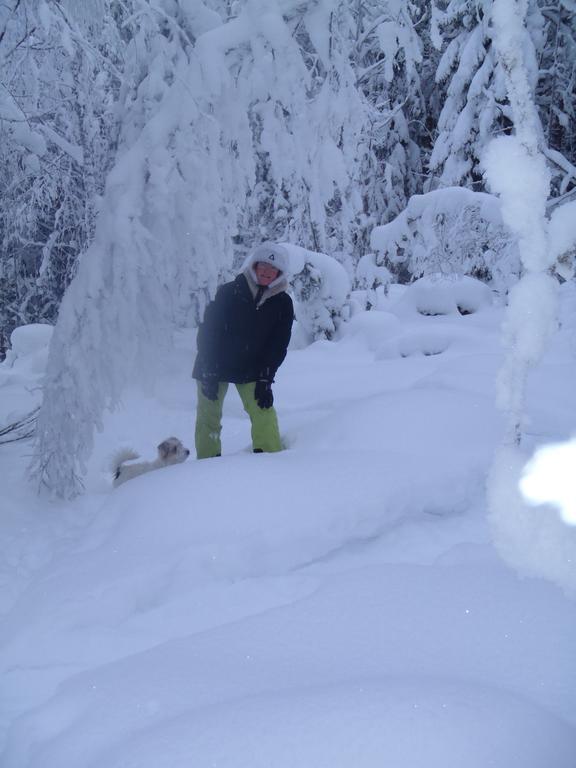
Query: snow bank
x=337 y=604
x=425 y=665
x=205 y=531
x=384 y=334
x=375 y=329
x=442 y=295
x=165 y=546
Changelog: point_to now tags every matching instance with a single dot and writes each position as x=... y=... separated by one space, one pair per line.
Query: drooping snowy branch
x=163 y=239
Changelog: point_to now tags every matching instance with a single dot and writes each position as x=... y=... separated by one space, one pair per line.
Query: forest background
x=231 y=122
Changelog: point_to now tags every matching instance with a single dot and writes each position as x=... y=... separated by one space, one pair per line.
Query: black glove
x=263 y=393
x=209 y=386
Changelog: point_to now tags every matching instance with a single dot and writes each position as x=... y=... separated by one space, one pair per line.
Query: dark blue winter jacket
x=240 y=340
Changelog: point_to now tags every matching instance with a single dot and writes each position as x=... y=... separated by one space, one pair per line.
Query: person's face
x=265 y=273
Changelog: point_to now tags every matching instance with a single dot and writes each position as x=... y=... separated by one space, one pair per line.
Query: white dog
x=170 y=451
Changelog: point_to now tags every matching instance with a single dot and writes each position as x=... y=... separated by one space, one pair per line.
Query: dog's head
x=171 y=451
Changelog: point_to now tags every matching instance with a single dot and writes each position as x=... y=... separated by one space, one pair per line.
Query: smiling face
x=265 y=273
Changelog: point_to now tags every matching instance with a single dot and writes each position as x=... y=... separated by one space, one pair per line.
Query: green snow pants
x=265 y=432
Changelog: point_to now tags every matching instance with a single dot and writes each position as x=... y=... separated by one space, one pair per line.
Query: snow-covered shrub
x=450 y=231
x=21 y=375
x=442 y=295
x=28 y=340
x=371 y=274
x=25 y=361
x=321 y=288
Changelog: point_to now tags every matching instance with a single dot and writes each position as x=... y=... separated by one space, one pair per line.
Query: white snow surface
x=338 y=604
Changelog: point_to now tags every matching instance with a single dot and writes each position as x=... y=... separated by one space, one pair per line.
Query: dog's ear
x=165 y=449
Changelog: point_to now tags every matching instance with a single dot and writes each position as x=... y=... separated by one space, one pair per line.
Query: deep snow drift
x=338 y=604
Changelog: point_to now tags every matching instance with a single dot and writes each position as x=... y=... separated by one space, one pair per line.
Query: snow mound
x=423 y=343
x=22 y=371
x=30 y=338
x=240 y=517
x=443 y=295
x=28 y=349
x=375 y=329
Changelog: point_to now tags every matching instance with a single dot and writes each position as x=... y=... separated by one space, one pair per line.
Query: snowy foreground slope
x=338 y=604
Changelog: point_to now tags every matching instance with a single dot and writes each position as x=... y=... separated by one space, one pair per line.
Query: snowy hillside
x=338 y=605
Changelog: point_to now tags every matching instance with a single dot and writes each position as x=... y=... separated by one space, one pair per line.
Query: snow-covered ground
x=340 y=604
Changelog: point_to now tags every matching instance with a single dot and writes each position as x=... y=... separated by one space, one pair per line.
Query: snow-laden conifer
x=294 y=74
x=475 y=104
x=389 y=64
x=556 y=93
x=57 y=126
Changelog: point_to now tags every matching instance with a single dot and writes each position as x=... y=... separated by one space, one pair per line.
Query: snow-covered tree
x=556 y=93
x=307 y=118
x=475 y=106
x=372 y=273
x=163 y=237
x=57 y=126
x=389 y=59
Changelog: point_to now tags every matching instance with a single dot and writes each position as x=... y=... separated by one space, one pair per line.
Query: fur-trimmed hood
x=270 y=253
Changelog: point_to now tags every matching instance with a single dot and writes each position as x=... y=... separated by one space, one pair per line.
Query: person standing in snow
x=243 y=340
